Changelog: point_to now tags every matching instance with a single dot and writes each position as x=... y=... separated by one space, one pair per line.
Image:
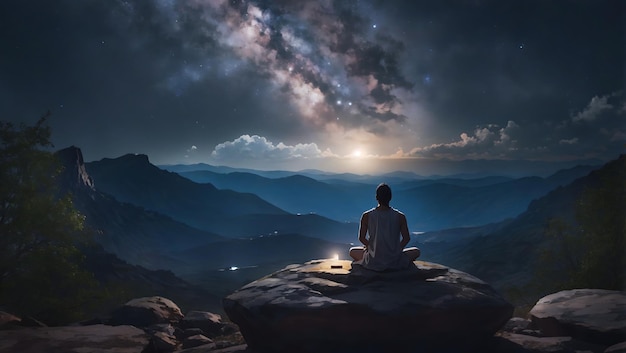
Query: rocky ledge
x=330 y=306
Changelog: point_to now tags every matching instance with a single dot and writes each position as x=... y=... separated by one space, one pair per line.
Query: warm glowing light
x=336 y=256
x=357 y=154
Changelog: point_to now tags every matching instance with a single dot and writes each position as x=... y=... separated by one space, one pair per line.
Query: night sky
x=358 y=86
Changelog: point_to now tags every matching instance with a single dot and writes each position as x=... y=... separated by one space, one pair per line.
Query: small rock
x=196 y=341
x=192 y=332
x=166 y=328
x=163 y=342
x=210 y=323
x=229 y=328
x=516 y=325
x=8 y=319
x=617 y=348
x=143 y=312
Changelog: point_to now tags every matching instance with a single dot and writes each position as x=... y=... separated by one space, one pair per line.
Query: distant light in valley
x=233 y=268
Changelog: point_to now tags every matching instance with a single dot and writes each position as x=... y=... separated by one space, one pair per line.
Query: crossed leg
x=356 y=252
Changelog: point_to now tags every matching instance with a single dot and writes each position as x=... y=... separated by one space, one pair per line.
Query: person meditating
x=388 y=232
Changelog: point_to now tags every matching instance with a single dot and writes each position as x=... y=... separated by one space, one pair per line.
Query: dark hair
x=383 y=194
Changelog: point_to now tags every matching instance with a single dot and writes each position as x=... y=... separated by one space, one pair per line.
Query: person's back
x=384 y=251
x=380 y=231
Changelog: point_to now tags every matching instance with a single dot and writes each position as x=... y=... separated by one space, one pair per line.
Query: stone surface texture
x=617 y=348
x=146 y=311
x=74 y=339
x=329 y=306
x=8 y=319
x=210 y=323
x=507 y=342
x=593 y=315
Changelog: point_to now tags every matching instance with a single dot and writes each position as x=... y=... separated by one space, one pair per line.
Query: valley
x=219 y=231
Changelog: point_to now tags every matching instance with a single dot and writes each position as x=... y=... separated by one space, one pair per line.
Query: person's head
x=383 y=194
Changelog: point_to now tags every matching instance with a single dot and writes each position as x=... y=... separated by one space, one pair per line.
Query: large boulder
x=74 y=339
x=330 y=306
x=146 y=311
x=594 y=315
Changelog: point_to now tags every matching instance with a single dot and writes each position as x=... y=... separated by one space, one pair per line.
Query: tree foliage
x=591 y=251
x=586 y=249
x=40 y=264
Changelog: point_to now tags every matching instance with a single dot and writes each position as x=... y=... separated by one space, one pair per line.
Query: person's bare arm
x=363 y=230
x=404 y=231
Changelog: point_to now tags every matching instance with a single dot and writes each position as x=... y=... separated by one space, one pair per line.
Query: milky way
x=286 y=81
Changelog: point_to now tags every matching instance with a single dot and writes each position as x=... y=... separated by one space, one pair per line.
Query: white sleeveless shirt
x=384 y=251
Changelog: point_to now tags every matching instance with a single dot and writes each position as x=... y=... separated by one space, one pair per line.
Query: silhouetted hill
x=297 y=193
x=506 y=255
x=132 y=281
x=141 y=237
x=157 y=249
x=133 y=179
x=134 y=234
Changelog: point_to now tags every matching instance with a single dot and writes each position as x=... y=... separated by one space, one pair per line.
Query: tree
x=586 y=248
x=591 y=251
x=40 y=264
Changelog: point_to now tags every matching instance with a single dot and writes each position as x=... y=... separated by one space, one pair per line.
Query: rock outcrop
x=142 y=325
x=327 y=305
x=593 y=315
x=143 y=312
x=74 y=339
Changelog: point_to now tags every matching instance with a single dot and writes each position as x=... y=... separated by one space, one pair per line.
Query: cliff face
x=132 y=245
x=74 y=175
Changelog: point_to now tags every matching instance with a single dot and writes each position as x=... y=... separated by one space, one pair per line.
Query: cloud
x=598 y=130
x=571 y=141
x=260 y=148
x=491 y=141
x=594 y=109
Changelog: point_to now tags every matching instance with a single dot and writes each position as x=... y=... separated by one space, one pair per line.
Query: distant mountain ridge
x=148 y=237
x=133 y=236
x=429 y=204
x=132 y=179
x=505 y=253
x=438 y=169
x=131 y=244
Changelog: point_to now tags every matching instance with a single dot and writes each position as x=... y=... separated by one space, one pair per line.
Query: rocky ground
x=295 y=305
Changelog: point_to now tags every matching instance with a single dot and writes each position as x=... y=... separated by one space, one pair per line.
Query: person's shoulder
x=398 y=211
x=369 y=211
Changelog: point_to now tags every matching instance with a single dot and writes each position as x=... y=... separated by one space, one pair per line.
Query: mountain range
x=133 y=179
x=506 y=253
x=430 y=204
x=218 y=238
